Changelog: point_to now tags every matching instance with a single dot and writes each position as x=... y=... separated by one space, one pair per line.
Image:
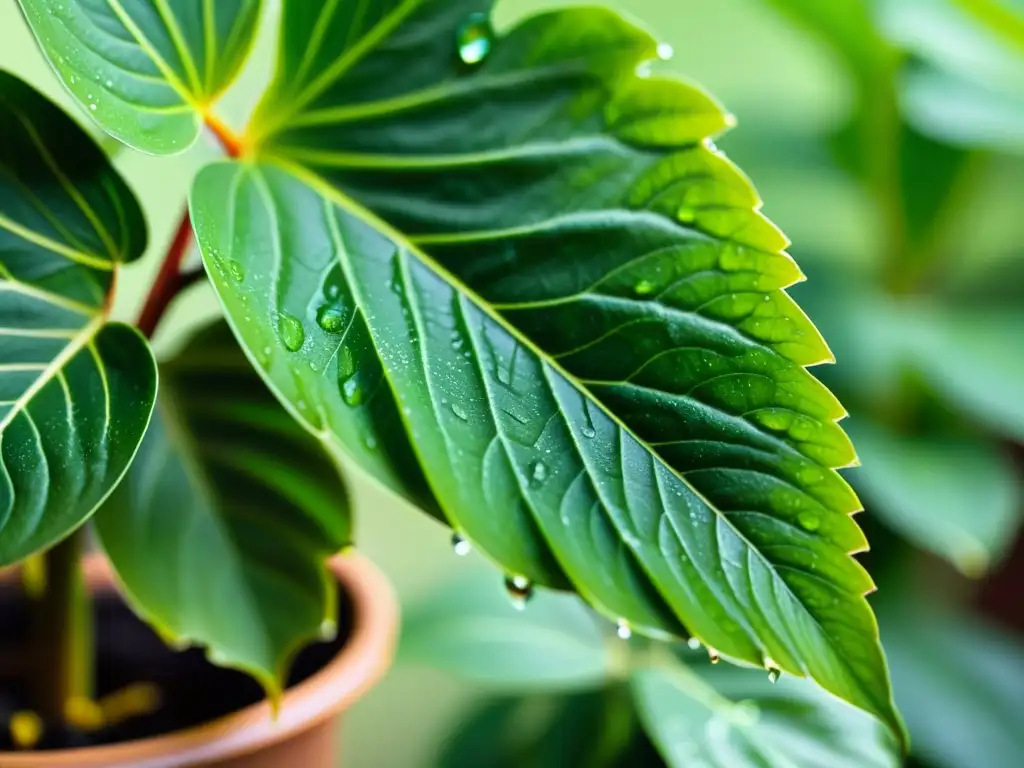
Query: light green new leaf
x=76 y=392
x=472 y=631
x=917 y=485
x=145 y=70
x=516 y=282
x=735 y=718
x=221 y=530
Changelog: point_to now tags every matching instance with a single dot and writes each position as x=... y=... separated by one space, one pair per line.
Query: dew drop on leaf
x=665 y=51
x=622 y=630
x=713 y=656
x=331 y=318
x=644 y=287
x=772 y=669
x=520 y=590
x=346 y=363
x=352 y=392
x=538 y=472
x=460 y=546
x=291 y=332
x=589 y=431
x=459 y=411
x=475 y=39
x=693 y=644
x=809 y=521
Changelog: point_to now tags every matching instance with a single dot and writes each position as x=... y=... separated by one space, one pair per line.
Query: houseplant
x=509 y=276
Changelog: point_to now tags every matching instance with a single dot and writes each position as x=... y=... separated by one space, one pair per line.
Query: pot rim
x=361 y=662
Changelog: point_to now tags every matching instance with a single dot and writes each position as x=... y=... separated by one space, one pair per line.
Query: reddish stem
x=169 y=280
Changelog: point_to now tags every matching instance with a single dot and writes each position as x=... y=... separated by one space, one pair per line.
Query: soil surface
x=193 y=691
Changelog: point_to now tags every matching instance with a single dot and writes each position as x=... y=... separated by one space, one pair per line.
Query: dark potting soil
x=193 y=691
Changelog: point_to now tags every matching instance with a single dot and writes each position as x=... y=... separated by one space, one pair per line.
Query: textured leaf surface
x=531 y=296
x=221 y=531
x=471 y=630
x=145 y=70
x=732 y=718
x=917 y=485
x=76 y=393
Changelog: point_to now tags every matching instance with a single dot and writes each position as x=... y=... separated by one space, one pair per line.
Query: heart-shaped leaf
x=731 y=717
x=517 y=283
x=145 y=70
x=76 y=392
x=221 y=530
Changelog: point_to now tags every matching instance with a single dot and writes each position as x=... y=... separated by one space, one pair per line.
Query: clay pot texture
x=305 y=733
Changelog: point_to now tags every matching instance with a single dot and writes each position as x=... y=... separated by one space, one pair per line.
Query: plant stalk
x=61 y=633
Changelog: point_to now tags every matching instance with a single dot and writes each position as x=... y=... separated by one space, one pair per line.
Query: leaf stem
x=61 y=633
x=170 y=280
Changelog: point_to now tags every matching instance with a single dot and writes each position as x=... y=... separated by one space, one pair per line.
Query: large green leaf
x=468 y=629
x=221 y=531
x=735 y=719
x=146 y=70
x=516 y=282
x=76 y=392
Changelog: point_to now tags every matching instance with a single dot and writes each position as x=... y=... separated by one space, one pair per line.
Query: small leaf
x=958 y=681
x=565 y=325
x=221 y=531
x=737 y=718
x=472 y=630
x=145 y=70
x=917 y=485
x=76 y=392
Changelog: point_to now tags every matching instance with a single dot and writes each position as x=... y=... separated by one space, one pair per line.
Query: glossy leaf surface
x=517 y=283
x=221 y=531
x=735 y=718
x=145 y=70
x=471 y=630
x=917 y=485
x=76 y=392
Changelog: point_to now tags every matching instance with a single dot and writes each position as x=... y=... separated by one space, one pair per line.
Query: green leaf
x=956 y=496
x=737 y=718
x=470 y=629
x=76 y=392
x=985 y=376
x=145 y=70
x=221 y=531
x=530 y=295
x=958 y=681
x=1004 y=18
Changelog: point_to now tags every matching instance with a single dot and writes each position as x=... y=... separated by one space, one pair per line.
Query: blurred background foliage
x=887 y=138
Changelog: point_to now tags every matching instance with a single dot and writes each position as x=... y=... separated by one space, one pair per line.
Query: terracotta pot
x=304 y=734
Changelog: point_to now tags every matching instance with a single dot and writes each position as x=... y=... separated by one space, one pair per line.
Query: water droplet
x=538 y=472
x=291 y=332
x=352 y=392
x=331 y=318
x=370 y=442
x=589 y=431
x=622 y=630
x=302 y=405
x=109 y=83
x=520 y=590
x=459 y=411
x=644 y=287
x=686 y=214
x=693 y=644
x=475 y=39
x=773 y=670
x=713 y=656
x=328 y=630
x=346 y=363
x=460 y=546
x=666 y=51
x=809 y=521
x=235 y=270
x=92 y=107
